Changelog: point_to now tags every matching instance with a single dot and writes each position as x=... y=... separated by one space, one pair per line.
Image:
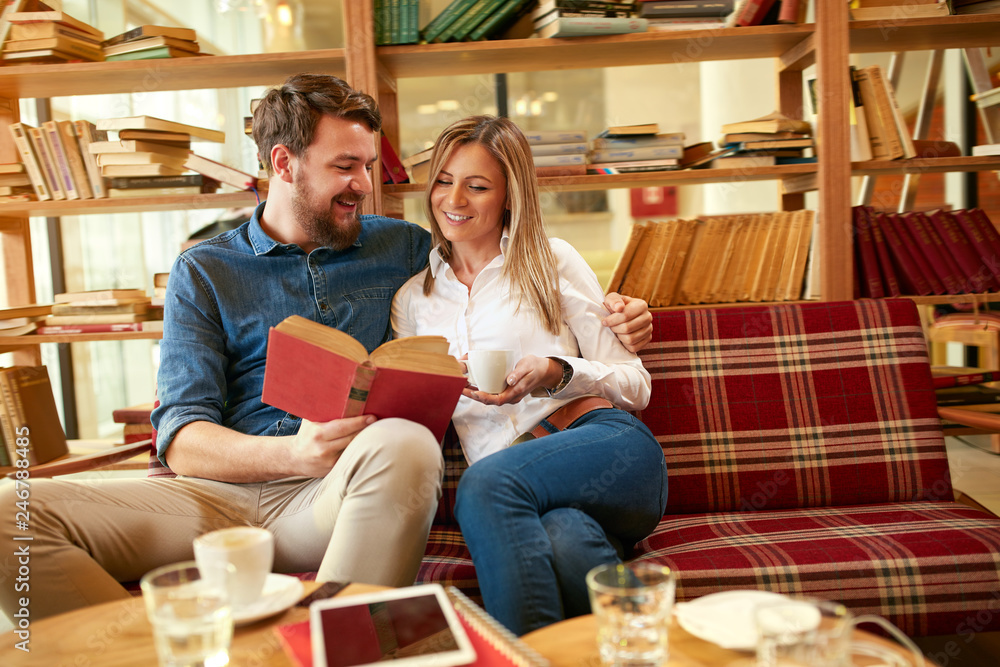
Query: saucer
x=280 y=592
x=726 y=618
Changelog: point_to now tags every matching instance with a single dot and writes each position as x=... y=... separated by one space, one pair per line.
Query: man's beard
x=319 y=224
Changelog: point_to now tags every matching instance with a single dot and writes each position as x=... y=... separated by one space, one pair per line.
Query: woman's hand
x=529 y=374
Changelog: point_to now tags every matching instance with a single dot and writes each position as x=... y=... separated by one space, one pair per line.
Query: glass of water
x=191 y=617
x=632 y=603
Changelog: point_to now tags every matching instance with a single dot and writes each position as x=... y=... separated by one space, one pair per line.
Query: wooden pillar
x=834 y=149
x=362 y=74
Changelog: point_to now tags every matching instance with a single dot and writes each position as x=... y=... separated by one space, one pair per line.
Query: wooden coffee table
x=117 y=634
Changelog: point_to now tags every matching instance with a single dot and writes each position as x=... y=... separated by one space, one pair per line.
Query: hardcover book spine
x=949 y=262
x=641 y=153
x=876 y=134
x=45 y=160
x=979 y=278
x=87 y=133
x=442 y=21
x=884 y=112
x=753 y=12
x=500 y=19
x=867 y=261
x=28 y=157
x=917 y=276
x=60 y=161
x=889 y=280
x=75 y=159
x=926 y=246
x=472 y=18
x=987 y=248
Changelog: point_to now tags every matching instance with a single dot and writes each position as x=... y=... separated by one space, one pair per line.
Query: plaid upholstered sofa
x=805 y=456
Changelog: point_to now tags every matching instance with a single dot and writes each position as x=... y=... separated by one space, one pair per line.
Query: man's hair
x=288 y=114
x=529 y=263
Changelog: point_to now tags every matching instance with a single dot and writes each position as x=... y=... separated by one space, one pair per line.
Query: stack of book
x=628 y=148
x=152 y=41
x=576 y=18
x=917 y=253
x=558 y=152
x=880 y=10
x=418 y=165
x=27 y=405
x=153 y=155
x=56 y=160
x=21 y=320
x=48 y=36
x=473 y=20
x=136 y=425
x=764 y=142
x=15 y=185
x=672 y=15
x=98 y=311
x=396 y=22
x=719 y=259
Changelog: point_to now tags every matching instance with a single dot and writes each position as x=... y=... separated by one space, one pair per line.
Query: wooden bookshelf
x=638 y=180
x=925 y=165
x=137 y=76
x=129 y=204
x=949 y=32
x=16 y=342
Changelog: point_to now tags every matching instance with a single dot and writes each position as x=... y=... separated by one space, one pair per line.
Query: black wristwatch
x=566 y=377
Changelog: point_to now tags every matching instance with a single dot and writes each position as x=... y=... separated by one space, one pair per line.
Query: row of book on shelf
x=474 y=20
x=760 y=142
x=920 y=253
x=91 y=311
x=717 y=259
x=76 y=159
x=33 y=32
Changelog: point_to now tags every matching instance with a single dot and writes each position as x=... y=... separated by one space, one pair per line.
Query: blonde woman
x=537 y=513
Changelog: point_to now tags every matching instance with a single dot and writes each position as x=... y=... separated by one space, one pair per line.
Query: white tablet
x=410 y=627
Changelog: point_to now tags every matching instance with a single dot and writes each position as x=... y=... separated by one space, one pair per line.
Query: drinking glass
x=632 y=603
x=191 y=617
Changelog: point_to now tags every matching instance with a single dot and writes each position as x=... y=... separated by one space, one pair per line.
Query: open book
x=319 y=373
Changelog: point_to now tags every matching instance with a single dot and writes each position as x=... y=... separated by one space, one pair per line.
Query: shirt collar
x=436 y=261
x=262 y=243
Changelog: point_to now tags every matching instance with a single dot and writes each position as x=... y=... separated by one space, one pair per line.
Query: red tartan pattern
x=811 y=405
x=924 y=566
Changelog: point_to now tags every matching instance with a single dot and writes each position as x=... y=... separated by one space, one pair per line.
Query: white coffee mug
x=488 y=369
x=251 y=552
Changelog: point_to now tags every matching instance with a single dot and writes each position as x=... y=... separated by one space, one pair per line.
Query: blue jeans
x=539 y=515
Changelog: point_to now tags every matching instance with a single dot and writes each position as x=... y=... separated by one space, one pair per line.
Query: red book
x=929 y=247
x=88 y=328
x=791 y=11
x=945 y=381
x=393 y=170
x=990 y=231
x=912 y=268
x=986 y=251
x=871 y=279
x=978 y=276
x=954 y=268
x=753 y=12
x=319 y=373
x=133 y=414
x=889 y=281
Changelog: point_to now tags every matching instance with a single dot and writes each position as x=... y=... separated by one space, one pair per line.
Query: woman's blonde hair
x=529 y=264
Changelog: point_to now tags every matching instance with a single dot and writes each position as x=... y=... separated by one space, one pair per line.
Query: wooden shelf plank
x=948 y=32
x=926 y=165
x=129 y=204
x=532 y=55
x=13 y=342
x=638 y=180
x=137 y=76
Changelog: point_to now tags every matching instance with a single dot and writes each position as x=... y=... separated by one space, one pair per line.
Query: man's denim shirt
x=225 y=293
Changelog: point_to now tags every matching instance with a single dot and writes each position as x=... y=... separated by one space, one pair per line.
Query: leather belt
x=569 y=413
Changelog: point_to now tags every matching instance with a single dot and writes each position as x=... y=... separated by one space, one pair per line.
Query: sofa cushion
x=923 y=566
x=798 y=405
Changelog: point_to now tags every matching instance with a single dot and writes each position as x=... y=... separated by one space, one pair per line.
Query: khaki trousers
x=366 y=521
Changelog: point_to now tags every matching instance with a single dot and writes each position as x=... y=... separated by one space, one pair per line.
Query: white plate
x=280 y=592
x=724 y=618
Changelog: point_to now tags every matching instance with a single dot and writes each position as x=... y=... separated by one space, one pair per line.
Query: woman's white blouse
x=487 y=317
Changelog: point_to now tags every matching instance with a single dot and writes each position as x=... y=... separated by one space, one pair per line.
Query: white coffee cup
x=488 y=369
x=250 y=551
